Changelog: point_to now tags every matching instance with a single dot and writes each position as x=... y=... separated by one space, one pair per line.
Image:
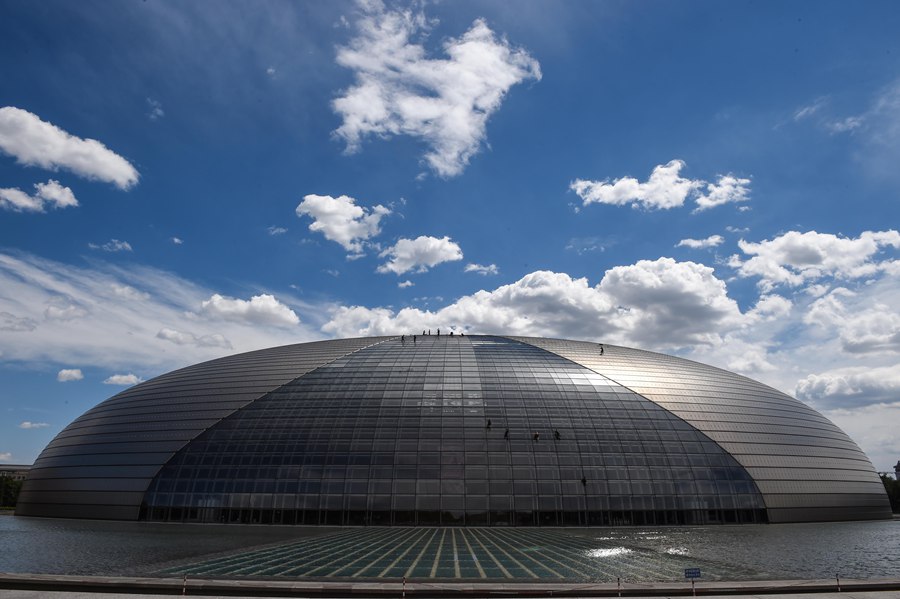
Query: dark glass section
x=453 y=431
x=806 y=468
x=100 y=465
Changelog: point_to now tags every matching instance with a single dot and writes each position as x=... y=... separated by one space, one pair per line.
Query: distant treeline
x=9 y=491
x=892 y=486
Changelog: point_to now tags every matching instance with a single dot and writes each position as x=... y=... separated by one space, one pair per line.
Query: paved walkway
x=29 y=586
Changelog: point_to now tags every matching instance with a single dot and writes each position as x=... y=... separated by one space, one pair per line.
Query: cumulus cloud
x=273 y=230
x=665 y=189
x=490 y=269
x=661 y=303
x=183 y=338
x=445 y=102
x=123 y=379
x=768 y=308
x=419 y=254
x=340 y=219
x=710 y=242
x=5 y=456
x=177 y=240
x=863 y=325
x=69 y=374
x=113 y=245
x=852 y=386
x=796 y=258
x=260 y=309
x=34 y=142
x=728 y=190
x=29 y=425
x=405 y=284
x=50 y=194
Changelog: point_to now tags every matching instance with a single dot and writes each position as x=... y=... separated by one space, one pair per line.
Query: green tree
x=892 y=486
x=9 y=491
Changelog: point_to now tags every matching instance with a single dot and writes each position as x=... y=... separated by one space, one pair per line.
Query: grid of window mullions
x=426 y=421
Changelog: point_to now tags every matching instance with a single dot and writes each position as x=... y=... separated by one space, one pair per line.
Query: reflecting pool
x=749 y=552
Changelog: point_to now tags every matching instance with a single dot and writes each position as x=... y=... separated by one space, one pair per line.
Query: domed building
x=453 y=430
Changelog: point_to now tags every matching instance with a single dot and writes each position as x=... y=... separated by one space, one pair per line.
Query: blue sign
x=692 y=572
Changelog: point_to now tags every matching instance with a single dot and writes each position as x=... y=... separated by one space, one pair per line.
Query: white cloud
x=273 y=230
x=661 y=303
x=5 y=456
x=128 y=292
x=732 y=229
x=847 y=124
x=582 y=245
x=769 y=308
x=805 y=112
x=34 y=142
x=270 y=71
x=795 y=258
x=63 y=308
x=405 y=284
x=852 y=386
x=419 y=254
x=862 y=324
x=113 y=245
x=50 y=194
x=182 y=338
x=69 y=374
x=123 y=379
x=664 y=189
x=29 y=425
x=874 y=131
x=340 y=219
x=51 y=311
x=728 y=190
x=177 y=240
x=444 y=102
x=155 y=110
x=11 y=322
x=490 y=269
x=710 y=242
x=260 y=309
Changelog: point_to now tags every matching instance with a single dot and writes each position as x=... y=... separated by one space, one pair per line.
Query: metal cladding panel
x=391 y=431
x=131 y=435
x=787 y=446
x=453 y=430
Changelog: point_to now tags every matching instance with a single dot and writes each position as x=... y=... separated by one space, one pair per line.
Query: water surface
x=748 y=552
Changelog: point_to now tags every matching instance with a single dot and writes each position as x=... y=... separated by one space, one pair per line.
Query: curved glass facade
x=473 y=431
x=806 y=467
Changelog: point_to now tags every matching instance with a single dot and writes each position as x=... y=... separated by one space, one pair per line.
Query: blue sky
x=181 y=181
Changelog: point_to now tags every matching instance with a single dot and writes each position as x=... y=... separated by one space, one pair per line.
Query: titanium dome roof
x=462 y=430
